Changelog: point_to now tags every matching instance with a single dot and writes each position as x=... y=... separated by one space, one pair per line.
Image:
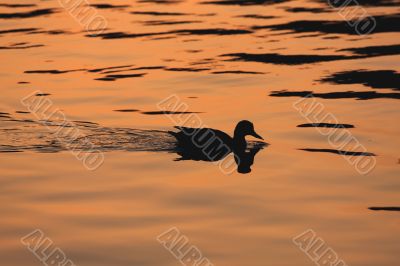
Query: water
x=227 y=62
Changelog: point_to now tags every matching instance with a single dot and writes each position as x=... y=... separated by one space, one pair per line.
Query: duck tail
x=175 y=134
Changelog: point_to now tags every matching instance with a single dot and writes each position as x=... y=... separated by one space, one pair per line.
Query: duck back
x=204 y=144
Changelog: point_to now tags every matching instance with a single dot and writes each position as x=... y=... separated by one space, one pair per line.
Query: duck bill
x=254 y=134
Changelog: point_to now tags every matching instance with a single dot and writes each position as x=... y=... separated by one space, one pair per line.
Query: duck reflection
x=206 y=144
x=245 y=159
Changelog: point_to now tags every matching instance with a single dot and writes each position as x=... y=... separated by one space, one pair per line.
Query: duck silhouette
x=207 y=144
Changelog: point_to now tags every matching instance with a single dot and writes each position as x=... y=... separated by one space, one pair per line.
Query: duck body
x=202 y=144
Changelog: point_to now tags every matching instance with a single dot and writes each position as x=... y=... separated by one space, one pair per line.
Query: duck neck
x=239 y=140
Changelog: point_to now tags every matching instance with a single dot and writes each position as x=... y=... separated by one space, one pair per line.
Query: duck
x=207 y=144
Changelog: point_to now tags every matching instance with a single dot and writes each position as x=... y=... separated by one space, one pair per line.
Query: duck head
x=245 y=128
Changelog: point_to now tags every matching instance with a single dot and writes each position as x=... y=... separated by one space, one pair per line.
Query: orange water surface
x=113 y=215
